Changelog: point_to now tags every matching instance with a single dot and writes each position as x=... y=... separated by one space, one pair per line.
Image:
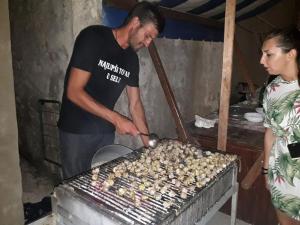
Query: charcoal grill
x=78 y=202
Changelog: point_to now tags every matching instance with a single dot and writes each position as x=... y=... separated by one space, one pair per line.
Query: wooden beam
x=168 y=13
x=226 y=73
x=181 y=130
x=253 y=173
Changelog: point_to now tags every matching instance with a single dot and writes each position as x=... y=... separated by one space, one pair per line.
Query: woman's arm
x=268 y=143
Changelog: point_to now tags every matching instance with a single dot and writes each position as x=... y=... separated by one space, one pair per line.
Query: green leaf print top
x=282 y=115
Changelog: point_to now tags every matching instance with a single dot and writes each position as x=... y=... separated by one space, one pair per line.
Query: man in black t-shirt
x=103 y=63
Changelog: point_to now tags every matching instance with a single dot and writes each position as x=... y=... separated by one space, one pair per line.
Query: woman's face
x=273 y=58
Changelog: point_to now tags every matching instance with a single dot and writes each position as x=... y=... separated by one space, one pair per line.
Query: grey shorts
x=77 y=150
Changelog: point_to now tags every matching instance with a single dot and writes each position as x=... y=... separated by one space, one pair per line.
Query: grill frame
x=169 y=217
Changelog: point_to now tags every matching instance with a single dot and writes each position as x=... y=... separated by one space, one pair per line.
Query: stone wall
x=43 y=33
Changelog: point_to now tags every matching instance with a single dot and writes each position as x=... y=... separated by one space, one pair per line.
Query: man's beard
x=136 y=46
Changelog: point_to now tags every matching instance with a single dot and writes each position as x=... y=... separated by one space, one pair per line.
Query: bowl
x=253 y=117
x=260 y=111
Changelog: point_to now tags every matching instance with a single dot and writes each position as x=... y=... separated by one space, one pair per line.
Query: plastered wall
x=43 y=33
x=194 y=81
x=11 y=208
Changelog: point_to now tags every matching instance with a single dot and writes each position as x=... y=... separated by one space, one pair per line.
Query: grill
x=80 y=201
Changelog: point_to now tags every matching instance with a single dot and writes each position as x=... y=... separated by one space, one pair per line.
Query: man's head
x=145 y=22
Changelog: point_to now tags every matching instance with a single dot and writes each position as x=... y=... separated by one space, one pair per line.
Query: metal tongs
x=153 y=139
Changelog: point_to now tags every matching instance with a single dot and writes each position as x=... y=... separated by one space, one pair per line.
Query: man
x=103 y=63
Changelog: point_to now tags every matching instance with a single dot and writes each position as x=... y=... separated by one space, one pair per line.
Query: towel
x=202 y=122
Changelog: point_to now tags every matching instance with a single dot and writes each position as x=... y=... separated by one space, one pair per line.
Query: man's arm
x=76 y=93
x=137 y=112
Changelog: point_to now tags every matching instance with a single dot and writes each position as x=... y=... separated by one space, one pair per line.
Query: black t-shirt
x=111 y=68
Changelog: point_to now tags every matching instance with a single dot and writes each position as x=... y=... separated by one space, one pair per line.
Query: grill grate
x=151 y=211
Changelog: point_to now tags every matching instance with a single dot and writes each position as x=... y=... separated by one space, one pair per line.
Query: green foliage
x=290 y=204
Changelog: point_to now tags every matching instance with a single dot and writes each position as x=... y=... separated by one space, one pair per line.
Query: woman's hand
x=266 y=181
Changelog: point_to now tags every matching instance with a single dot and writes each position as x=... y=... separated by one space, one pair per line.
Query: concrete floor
x=218 y=219
x=37 y=185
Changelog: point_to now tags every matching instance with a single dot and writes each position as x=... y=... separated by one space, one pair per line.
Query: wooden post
x=226 y=73
x=253 y=173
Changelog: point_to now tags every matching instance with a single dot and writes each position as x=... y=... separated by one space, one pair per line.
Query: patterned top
x=282 y=114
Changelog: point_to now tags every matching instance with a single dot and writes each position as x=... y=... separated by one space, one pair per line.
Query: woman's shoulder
x=274 y=83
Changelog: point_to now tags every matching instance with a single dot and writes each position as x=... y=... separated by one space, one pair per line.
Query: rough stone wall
x=43 y=33
x=11 y=210
x=85 y=13
x=41 y=41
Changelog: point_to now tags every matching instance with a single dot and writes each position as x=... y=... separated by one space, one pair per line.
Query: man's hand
x=125 y=126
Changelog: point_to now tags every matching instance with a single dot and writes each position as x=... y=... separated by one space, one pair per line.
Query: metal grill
x=150 y=211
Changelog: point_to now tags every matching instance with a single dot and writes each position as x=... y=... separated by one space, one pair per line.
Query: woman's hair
x=287 y=39
x=147 y=12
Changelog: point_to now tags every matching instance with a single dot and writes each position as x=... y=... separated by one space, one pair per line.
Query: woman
x=280 y=56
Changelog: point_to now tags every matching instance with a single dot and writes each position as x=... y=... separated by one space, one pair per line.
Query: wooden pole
x=253 y=173
x=226 y=73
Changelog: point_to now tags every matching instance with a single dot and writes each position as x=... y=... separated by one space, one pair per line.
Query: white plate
x=253 y=117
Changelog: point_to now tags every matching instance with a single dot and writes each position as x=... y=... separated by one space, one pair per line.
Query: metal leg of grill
x=233 y=193
x=234 y=197
x=234 y=205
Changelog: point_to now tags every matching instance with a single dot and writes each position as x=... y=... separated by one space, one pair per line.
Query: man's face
x=142 y=36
